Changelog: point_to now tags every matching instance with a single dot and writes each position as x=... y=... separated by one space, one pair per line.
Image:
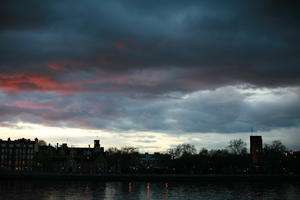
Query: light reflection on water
x=52 y=190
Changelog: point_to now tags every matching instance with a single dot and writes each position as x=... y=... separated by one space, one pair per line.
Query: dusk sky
x=151 y=74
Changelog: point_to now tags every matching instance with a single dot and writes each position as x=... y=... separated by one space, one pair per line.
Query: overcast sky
x=150 y=73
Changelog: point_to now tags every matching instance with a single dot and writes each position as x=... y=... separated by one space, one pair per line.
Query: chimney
x=96 y=143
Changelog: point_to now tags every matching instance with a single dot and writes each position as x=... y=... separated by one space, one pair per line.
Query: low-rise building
x=72 y=159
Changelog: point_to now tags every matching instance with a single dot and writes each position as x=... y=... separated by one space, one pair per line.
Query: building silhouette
x=34 y=156
x=72 y=159
x=256 y=152
x=18 y=155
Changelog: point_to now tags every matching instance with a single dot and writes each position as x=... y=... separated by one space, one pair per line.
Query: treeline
x=185 y=158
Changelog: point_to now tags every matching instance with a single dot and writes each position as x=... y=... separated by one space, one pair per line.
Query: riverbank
x=148 y=177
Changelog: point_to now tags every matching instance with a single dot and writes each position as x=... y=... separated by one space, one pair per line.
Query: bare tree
x=42 y=143
x=182 y=149
x=129 y=149
x=276 y=146
x=113 y=150
x=237 y=147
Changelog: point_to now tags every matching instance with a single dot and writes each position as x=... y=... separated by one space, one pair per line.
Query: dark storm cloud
x=215 y=43
x=30 y=14
x=126 y=65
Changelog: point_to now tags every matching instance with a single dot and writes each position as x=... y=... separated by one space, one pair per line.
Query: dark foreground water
x=10 y=190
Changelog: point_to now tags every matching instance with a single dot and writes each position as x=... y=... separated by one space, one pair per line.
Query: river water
x=45 y=190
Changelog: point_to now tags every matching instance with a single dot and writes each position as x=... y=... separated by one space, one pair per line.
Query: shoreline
x=149 y=177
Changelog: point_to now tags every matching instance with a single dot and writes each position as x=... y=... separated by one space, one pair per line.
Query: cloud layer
x=175 y=67
x=204 y=44
x=224 y=110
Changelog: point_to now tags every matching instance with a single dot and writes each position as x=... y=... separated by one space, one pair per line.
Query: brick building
x=18 y=155
x=256 y=152
x=72 y=159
